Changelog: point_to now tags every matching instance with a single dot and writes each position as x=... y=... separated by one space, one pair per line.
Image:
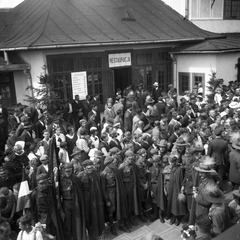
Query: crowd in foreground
x=140 y=157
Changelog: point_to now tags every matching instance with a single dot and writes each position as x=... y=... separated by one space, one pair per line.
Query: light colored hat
x=234 y=105
x=206 y=165
x=149 y=100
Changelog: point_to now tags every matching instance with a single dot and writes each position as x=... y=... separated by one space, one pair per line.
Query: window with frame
x=183 y=82
x=93 y=67
x=60 y=68
x=198 y=78
x=232 y=9
x=202 y=9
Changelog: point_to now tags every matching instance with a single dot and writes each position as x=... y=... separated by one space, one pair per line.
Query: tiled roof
x=49 y=23
x=229 y=44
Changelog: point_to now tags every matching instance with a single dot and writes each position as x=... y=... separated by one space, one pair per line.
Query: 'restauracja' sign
x=119 y=59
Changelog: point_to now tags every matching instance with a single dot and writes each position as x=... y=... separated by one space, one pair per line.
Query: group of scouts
x=141 y=157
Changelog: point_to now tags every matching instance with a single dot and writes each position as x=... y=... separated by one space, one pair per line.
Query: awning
x=15 y=63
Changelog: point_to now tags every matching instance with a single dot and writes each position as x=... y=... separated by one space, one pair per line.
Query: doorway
x=7 y=89
x=122 y=78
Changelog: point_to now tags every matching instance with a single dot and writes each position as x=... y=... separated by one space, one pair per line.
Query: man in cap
x=157 y=189
x=206 y=172
x=94 y=208
x=176 y=208
x=156 y=91
x=114 y=195
x=73 y=204
x=15 y=165
x=44 y=207
x=234 y=160
x=44 y=167
x=128 y=118
x=217 y=212
x=218 y=149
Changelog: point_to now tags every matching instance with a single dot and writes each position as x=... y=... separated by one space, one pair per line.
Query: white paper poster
x=79 y=84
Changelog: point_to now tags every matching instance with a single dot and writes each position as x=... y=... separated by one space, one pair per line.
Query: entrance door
x=7 y=89
x=122 y=78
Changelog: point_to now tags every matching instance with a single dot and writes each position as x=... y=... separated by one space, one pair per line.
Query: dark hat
x=141 y=151
x=87 y=163
x=213 y=194
x=218 y=130
x=63 y=144
x=153 y=151
x=68 y=165
x=98 y=153
x=24 y=118
x=181 y=142
x=75 y=151
x=26 y=219
x=110 y=121
x=114 y=150
x=42 y=176
x=108 y=160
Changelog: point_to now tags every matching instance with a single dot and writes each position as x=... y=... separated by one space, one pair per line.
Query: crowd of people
x=143 y=156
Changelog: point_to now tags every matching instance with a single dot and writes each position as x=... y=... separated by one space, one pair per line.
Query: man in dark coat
x=128 y=118
x=114 y=196
x=39 y=127
x=161 y=107
x=156 y=92
x=176 y=208
x=93 y=200
x=45 y=207
x=218 y=149
x=77 y=111
x=73 y=204
x=3 y=127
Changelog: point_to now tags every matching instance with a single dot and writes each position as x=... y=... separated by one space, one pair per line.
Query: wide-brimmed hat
x=181 y=142
x=206 y=165
x=234 y=105
x=236 y=193
x=163 y=143
x=75 y=152
x=149 y=100
x=155 y=84
x=213 y=194
x=236 y=144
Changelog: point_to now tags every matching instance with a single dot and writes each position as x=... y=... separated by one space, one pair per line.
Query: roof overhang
x=207 y=52
x=99 y=44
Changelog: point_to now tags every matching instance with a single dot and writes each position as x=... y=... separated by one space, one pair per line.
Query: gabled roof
x=54 y=23
x=229 y=44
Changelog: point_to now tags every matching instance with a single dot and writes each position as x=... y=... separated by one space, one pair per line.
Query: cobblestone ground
x=164 y=230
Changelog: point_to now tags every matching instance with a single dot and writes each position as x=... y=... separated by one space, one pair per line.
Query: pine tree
x=213 y=84
x=46 y=95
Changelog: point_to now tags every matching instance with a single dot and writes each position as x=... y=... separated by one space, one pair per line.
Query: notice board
x=79 y=84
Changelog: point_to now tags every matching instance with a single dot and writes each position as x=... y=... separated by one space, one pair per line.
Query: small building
x=195 y=63
x=115 y=43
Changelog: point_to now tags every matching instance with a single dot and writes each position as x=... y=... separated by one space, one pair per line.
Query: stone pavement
x=164 y=230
